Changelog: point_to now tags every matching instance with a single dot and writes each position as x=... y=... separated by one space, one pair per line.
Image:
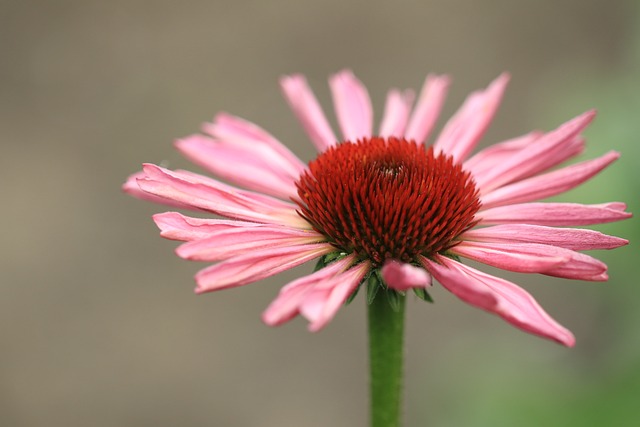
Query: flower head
x=385 y=206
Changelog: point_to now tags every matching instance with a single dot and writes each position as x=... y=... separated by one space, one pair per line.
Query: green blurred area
x=98 y=320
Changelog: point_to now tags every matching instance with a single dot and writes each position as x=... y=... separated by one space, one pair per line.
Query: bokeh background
x=98 y=322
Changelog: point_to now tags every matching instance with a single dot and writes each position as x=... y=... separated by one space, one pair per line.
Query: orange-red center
x=387 y=198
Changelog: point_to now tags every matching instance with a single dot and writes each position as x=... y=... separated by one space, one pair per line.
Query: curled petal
x=402 y=277
x=230 y=242
x=396 y=113
x=252 y=166
x=498 y=296
x=554 y=214
x=463 y=131
x=204 y=193
x=534 y=258
x=549 y=184
x=352 y=104
x=548 y=150
x=305 y=106
x=132 y=188
x=257 y=265
x=427 y=110
x=577 y=239
x=176 y=226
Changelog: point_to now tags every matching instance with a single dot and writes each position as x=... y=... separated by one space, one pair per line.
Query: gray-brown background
x=98 y=322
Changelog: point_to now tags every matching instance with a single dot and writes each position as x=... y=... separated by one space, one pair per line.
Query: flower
x=385 y=206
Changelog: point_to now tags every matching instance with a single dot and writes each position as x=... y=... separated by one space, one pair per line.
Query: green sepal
x=373 y=286
x=394 y=300
x=328 y=259
x=423 y=294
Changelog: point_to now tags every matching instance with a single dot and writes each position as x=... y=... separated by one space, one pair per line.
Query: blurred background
x=98 y=322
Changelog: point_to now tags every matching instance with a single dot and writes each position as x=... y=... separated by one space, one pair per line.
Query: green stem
x=386 y=330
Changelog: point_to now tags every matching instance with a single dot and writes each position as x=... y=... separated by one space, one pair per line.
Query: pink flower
x=385 y=204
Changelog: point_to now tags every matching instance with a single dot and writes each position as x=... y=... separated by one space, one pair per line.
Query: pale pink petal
x=396 y=113
x=205 y=193
x=519 y=257
x=230 y=242
x=132 y=188
x=577 y=239
x=233 y=130
x=534 y=258
x=176 y=226
x=463 y=131
x=256 y=265
x=548 y=150
x=402 y=277
x=427 y=110
x=495 y=154
x=554 y=214
x=308 y=111
x=321 y=303
x=498 y=296
x=290 y=298
x=549 y=184
x=353 y=106
x=255 y=167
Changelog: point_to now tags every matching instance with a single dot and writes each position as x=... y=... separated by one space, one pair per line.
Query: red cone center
x=387 y=198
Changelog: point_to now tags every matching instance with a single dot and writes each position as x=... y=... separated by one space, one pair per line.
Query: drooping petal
x=313 y=292
x=396 y=113
x=230 y=242
x=176 y=226
x=463 y=131
x=255 y=167
x=534 y=258
x=207 y=194
x=427 y=110
x=132 y=188
x=228 y=129
x=305 y=106
x=402 y=277
x=554 y=214
x=257 y=265
x=352 y=104
x=577 y=239
x=323 y=301
x=549 y=184
x=498 y=296
x=547 y=150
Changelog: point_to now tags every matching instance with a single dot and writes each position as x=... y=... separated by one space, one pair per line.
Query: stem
x=386 y=330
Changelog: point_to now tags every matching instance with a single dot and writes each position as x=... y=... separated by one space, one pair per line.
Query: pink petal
x=549 y=184
x=353 y=106
x=230 y=242
x=205 y=193
x=463 y=131
x=306 y=108
x=534 y=258
x=132 y=188
x=494 y=154
x=292 y=296
x=322 y=302
x=257 y=265
x=498 y=296
x=427 y=110
x=176 y=226
x=396 y=113
x=548 y=150
x=232 y=130
x=255 y=167
x=519 y=257
x=402 y=277
x=554 y=214
x=577 y=239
